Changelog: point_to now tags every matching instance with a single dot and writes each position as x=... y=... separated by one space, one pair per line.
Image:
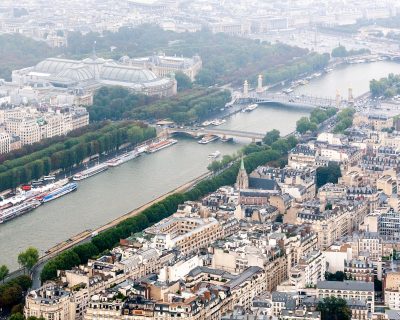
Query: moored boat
x=251 y=107
x=90 y=172
x=218 y=122
x=122 y=159
x=157 y=146
x=59 y=192
x=207 y=139
x=18 y=210
x=206 y=123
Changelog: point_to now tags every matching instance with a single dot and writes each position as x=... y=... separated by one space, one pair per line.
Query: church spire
x=242 y=181
x=242 y=164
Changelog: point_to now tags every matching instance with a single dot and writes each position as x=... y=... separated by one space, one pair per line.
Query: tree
x=333 y=308
x=18 y=308
x=206 y=77
x=17 y=316
x=28 y=258
x=271 y=137
x=304 y=124
x=281 y=146
x=329 y=174
x=3 y=272
x=183 y=81
x=339 y=52
x=11 y=296
x=337 y=276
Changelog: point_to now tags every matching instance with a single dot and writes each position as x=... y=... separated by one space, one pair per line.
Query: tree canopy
x=3 y=272
x=342 y=52
x=331 y=174
x=18 y=51
x=28 y=258
x=225 y=58
x=317 y=117
x=385 y=87
x=71 y=152
x=11 y=291
x=333 y=308
x=183 y=81
x=337 y=276
x=271 y=136
x=344 y=120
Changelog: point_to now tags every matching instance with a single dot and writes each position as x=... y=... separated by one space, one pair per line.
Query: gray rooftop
x=346 y=285
x=244 y=276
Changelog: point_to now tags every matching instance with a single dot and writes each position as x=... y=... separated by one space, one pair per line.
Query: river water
x=108 y=195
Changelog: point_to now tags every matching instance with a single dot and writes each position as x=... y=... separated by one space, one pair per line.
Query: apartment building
x=188 y=234
x=31 y=126
x=309 y=270
x=359 y=270
x=301 y=156
x=329 y=225
x=367 y=244
x=5 y=143
x=363 y=291
x=391 y=288
x=50 y=302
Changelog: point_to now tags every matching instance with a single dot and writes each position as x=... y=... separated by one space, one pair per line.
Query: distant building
x=87 y=75
x=164 y=66
x=29 y=125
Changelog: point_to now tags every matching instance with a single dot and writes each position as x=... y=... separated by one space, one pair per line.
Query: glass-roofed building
x=91 y=73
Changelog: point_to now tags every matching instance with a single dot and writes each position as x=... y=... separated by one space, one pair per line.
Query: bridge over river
x=261 y=95
x=291 y=99
x=221 y=133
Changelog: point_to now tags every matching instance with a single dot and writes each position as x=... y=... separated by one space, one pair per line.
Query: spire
x=242 y=180
x=242 y=164
x=94 y=50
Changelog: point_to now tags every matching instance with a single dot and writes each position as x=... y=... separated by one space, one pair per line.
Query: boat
x=159 y=145
x=218 y=122
x=122 y=159
x=49 y=178
x=18 y=210
x=287 y=91
x=59 y=192
x=17 y=199
x=251 y=107
x=206 y=123
x=90 y=172
x=207 y=139
x=37 y=183
x=142 y=148
x=224 y=139
x=214 y=155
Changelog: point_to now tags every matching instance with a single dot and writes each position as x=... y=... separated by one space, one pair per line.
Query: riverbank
x=87 y=234
x=106 y=196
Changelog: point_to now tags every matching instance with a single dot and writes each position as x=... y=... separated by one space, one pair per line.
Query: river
x=108 y=195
